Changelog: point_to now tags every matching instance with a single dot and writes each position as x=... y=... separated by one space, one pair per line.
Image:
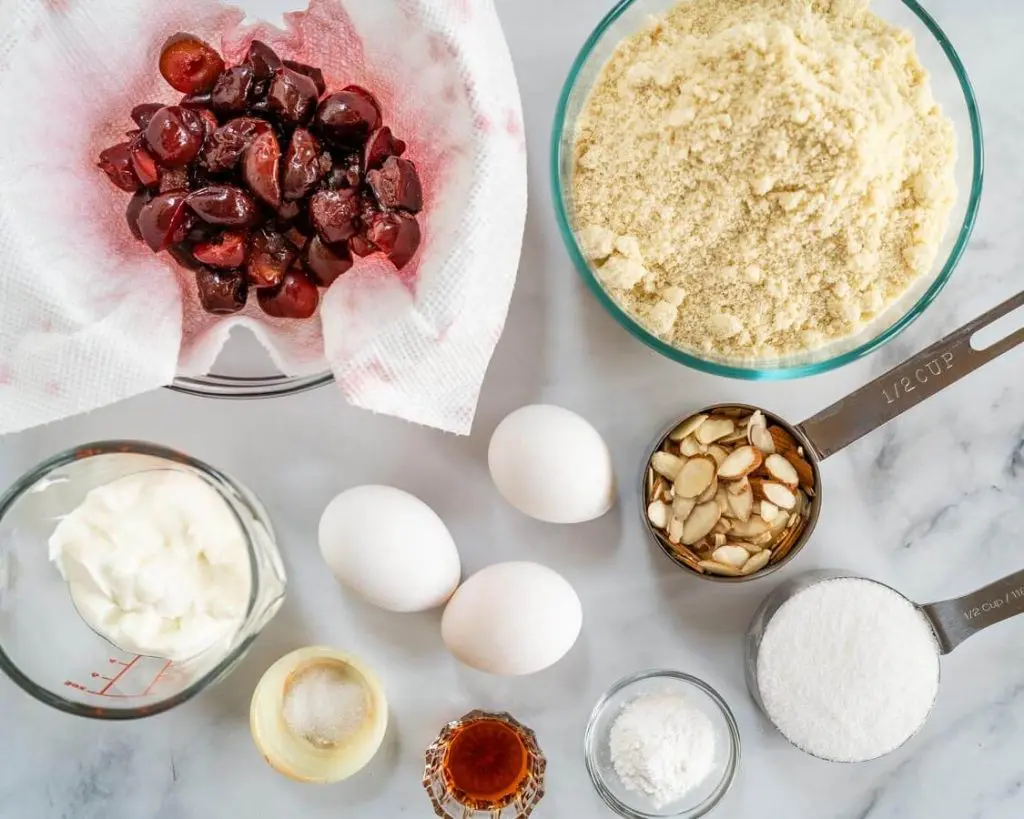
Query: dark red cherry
x=224 y=205
x=380 y=146
x=189 y=64
x=221 y=292
x=201 y=99
x=397 y=235
x=226 y=145
x=366 y=95
x=334 y=214
x=161 y=218
x=231 y=92
x=210 y=123
x=302 y=168
x=295 y=297
x=144 y=163
x=116 y=163
x=133 y=210
x=227 y=250
x=142 y=114
x=292 y=97
x=270 y=256
x=263 y=60
x=346 y=172
x=175 y=135
x=347 y=117
x=315 y=74
x=361 y=246
x=290 y=211
x=260 y=169
x=325 y=264
x=397 y=185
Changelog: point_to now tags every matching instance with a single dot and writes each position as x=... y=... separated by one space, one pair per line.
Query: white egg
x=551 y=464
x=512 y=618
x=390 y=548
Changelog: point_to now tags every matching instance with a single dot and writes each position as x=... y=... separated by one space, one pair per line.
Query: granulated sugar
x=325 y=705
x=848 y=669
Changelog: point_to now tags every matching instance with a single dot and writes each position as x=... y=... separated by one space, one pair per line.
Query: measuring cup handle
x=957 y=619
x=908 y=384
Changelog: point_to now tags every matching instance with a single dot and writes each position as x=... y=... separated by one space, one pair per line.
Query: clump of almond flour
x=756 y=178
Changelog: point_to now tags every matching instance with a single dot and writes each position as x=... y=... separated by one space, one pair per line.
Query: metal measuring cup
x=850 y=418
x=952 y=622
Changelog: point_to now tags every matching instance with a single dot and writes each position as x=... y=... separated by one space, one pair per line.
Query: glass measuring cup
x=952 y=621
x=48 y=649
x=850 y=418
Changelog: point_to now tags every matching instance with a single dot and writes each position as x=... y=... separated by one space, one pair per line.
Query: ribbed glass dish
x=952 y=90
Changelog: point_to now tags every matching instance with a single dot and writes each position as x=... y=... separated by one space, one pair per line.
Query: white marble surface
x=933 y=504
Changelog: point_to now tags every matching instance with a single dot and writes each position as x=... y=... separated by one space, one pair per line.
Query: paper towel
x=88 y=316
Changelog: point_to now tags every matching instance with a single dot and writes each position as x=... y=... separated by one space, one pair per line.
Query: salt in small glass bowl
x=702 y=799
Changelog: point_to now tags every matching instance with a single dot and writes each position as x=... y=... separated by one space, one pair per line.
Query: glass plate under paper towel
x=702 y=799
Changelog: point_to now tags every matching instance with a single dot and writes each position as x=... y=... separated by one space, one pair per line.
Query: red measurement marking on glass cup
x=108 y=682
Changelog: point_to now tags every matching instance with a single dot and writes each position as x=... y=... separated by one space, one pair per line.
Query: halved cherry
x=175 y=135
x=224 y=205
x=142 y=114
x=346 y=172
x=315 y=74
x=260 y=168
x=334 y=214
x=292 y=97
x=116 y=163
x=302 y=167
x=295 y=297
x=270 y=256
x=189 y=64
x=225 y=146
x=361 y=246
x=221 y=292
x=201 y=99
x=347 y=117
x=133 y=210
x=231 y=91
x=397 y=235
x=263 y=60
x=226 y=250
x=161 y=218
x=325 y=264
x=380 y=146
x=144 y=163
x=210 y=123
x=397 y=185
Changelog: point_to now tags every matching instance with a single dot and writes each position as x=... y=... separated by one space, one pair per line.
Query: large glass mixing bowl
x=46 y=647
x=952 y=90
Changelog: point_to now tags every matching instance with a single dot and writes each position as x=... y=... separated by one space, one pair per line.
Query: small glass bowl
x=704 y=797
x=952 y=90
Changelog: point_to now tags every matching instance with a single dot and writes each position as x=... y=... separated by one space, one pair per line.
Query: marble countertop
x=932 y=504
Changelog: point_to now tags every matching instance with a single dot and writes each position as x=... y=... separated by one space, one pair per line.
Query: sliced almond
x=782 y=470
x=658 y=488
x=722 y=499
x=723 y=526
x=784 y=442
x=675 y=530
x=710 y=492
x=768 y=511
x=760 y=437
x=681 y=507
x=700 y=523
x=741 y=462
x=734 y=556
x=755 y=563
x=804 y=470
x=719 y=453
x=741 y=505
x=765 y=538
x=696 y=476
x=689 y=447
x=687 y=427
x=749 y=528
x=658 y=514
x=714 y=567
x=801 y=503
x=667 y=464
x=780 y=522
x=752 y=548
x=738 y=487
x=785 y=546
x=715 y=428
x=649 y=479
x=779 y=494
x=720 y=539
x=686 y=556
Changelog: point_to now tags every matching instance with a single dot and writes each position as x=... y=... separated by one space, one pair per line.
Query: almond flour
x=757 y=178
